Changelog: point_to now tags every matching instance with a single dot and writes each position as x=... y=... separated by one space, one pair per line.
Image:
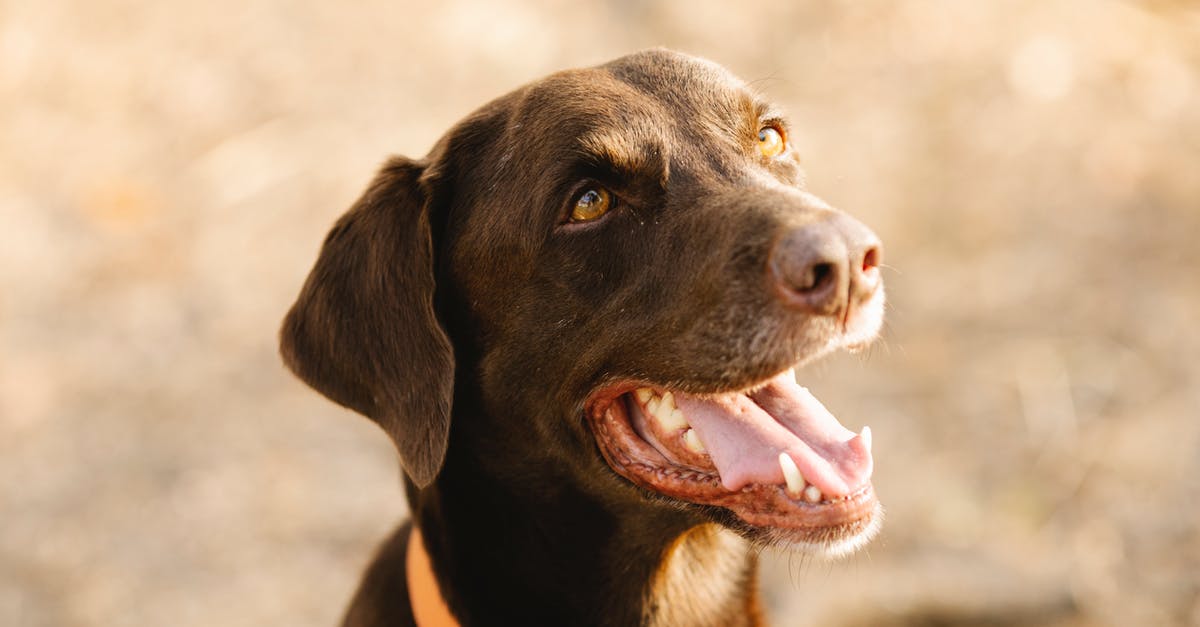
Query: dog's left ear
x=363 y=331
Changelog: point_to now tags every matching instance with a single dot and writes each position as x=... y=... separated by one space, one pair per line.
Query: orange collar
x=428 y=606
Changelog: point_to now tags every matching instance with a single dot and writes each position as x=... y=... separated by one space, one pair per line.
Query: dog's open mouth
x=774 y=456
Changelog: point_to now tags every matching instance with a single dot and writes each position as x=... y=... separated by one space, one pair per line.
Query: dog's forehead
x=680 y=79
x=655 y=89
x=651 y=112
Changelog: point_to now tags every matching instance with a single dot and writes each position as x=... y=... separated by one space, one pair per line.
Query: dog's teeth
x=670 y=417
x=662 y=409
x=693 y=441
x=812 y=494
x=791 y=475
x=673 y=421
x=668 y=400
x=866 y=437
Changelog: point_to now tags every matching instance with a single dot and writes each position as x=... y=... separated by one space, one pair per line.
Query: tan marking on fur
x=621 y=148
x=704 y=575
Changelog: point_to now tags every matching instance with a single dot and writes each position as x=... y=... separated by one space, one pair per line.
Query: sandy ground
x=168 y=169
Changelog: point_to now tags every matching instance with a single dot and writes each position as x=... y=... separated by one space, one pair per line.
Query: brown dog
x=578 y=317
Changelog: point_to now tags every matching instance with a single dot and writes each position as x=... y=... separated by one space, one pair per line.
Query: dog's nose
x=827 y=265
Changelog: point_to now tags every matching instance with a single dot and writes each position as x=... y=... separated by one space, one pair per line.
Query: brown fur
x=455 y=305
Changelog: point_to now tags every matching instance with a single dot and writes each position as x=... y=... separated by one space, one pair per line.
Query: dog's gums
x=773 y=456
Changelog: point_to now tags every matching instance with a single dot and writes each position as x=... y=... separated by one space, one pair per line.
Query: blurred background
x=169 y=169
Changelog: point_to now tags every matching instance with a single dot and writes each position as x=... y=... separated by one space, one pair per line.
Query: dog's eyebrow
x=621 y=152
x=763 y=110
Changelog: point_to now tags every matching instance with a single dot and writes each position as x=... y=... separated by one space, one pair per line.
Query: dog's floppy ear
x=363 y=331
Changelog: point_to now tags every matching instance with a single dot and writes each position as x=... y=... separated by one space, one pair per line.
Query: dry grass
x=167 y=171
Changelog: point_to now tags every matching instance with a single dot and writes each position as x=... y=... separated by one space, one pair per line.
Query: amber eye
x=591 y=204
x=770 y=141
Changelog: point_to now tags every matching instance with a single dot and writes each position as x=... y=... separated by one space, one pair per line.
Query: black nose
x=827 y=266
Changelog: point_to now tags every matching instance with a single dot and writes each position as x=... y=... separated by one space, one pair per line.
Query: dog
x=578 y=318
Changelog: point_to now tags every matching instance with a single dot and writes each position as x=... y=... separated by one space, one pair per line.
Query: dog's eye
x=770 y=141
x=591 y=204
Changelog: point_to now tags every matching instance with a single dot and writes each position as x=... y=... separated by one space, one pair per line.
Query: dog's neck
x=554 y=555
x=707 y=572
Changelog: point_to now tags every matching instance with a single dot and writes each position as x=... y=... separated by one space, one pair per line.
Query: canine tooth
x=866 y=437
x=791 y=475
x=693 y=441
x=644 y=394
x=812 y=494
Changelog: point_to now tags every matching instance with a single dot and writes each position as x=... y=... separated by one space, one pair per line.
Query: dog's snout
x=828 y=265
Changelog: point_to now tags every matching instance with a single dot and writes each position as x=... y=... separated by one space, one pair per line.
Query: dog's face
x=626 y=257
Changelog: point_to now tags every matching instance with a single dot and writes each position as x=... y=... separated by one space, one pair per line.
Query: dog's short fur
x=459 y=306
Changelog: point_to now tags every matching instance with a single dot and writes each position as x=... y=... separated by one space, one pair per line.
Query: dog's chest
x=706 y=579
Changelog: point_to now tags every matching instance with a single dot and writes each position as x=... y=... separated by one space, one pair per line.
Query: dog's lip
x=850 y=513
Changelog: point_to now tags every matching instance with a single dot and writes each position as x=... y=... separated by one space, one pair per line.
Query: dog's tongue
x=744 y=436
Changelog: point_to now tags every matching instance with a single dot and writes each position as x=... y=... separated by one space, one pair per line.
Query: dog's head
x=625 y=266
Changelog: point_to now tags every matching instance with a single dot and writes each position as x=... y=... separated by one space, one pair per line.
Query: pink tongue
x=744 y=436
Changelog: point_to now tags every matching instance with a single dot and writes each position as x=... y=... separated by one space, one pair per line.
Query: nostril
x=865 y=282
x=816 y=277
x=871 y=259
x=810 y=284
x=811 y=267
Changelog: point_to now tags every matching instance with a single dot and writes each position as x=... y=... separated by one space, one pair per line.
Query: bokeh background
x=168 y=170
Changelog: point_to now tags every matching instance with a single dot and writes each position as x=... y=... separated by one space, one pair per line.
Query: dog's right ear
x=363 y=331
